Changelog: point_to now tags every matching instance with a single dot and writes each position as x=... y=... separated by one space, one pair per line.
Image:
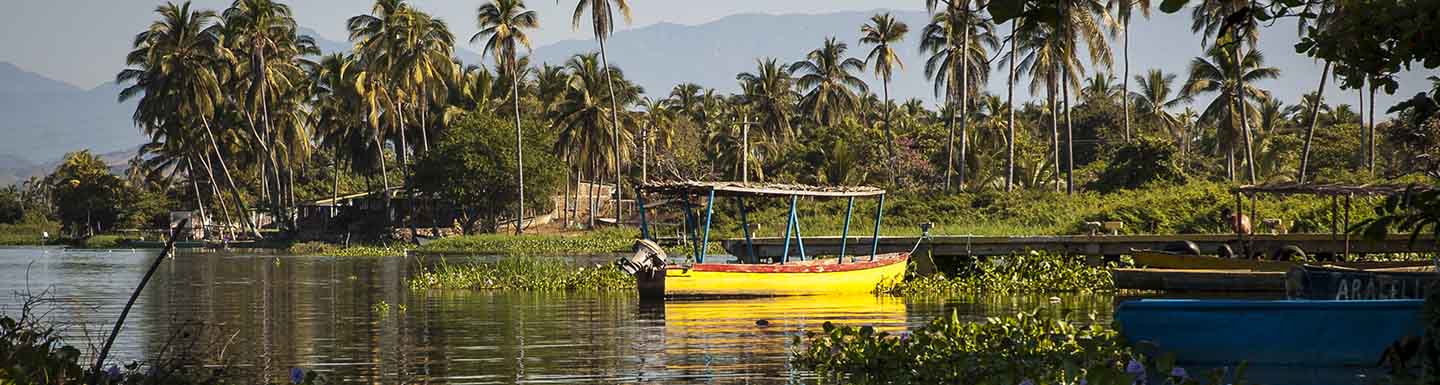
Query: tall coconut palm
x=1042 y=60
x=1124 y=11
x=263 y=35
x=581 y=116
x=1232 y=25
x=502 y=26
x=957 y=66
x=1217 y=73
x=1079 y=22
x=1154 y=101
x=1101 y=88
x=602 y=22
x=884 y=32
x=826 y=77
x=177 y=65
x=771 y=92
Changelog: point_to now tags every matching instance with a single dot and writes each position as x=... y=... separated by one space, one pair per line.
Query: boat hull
x=804 y=278
x=1341 y=284
x=1287 y=333
x=1162 y=260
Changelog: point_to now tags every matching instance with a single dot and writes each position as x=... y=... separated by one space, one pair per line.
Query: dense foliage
x=1139 y=163
x=473 y=166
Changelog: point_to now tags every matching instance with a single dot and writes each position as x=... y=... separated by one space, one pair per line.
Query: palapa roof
x=1334 y=189
x=758 y=189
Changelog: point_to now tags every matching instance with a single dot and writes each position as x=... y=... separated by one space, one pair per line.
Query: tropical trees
x=1154 y=100
x=770 y=90
x=581 y=117
x=1223 y=19
x=828 y=83
x=1124 y=11
x=1221 y=73
x=883 y=32
x=502 y=25
x=602 y=22
x=952 y=59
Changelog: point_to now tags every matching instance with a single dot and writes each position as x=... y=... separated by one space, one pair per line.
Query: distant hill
x=45 y=118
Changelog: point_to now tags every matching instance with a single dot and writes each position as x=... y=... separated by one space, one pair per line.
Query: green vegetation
x=1036 y=348
x=595 y=242
x=333 y=250
x=1033 y=273
x=473 y=165
x=103 y=241
x=28 y=233
x=523 y=274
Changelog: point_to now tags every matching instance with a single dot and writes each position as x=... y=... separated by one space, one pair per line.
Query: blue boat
x=1285 y=333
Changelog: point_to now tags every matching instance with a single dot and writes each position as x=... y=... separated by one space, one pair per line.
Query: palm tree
x=581 y=116
x=177 y=64
x=1216 y=73
x=1154 y=102
x=1042 y=61
x=1101 y=88
x=602 y=21
x=1079 y=21
x=1222 y=19
x=770 y=89
x=953 y=60
x=830 y=88
x=883 y=32
x=1124 y=11
x=502 y=25
x=262 y=34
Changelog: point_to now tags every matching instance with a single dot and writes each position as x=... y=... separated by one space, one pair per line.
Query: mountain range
x=46 y=118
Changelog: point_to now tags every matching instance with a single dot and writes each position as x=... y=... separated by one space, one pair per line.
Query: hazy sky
x=63 y=39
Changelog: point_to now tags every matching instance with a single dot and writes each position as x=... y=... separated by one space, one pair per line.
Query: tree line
x=244 y=112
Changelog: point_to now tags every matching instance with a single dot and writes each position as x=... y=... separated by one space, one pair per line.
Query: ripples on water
x=269 y=314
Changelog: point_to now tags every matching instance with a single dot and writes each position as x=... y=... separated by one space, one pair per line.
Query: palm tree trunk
x=1314 y=121
x=1010 y=105
x=1363 y=136
x=519 y=146
x=1371 y=130
x=950 y=137
x=234 y=191
x=215 y=192
x=199 y=202
x=890 y=137
x=964 y=95
x=565 y=199
x=594 y=191
x=1244 y=113
x=644 y=153
x=334 y=190
x=1069 y=135
x=1055 y=128
x=384 y=177
x=614 y=123
x=1125 y=96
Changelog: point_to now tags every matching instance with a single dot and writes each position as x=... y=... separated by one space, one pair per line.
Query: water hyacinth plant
x=1033 y=347
x=523 y=273
x=1035 y=272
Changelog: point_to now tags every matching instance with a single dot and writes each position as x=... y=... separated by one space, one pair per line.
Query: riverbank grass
x=28 y=233
x=1032 y=273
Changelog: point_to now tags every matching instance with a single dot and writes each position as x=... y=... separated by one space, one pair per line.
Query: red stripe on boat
x=813 y=266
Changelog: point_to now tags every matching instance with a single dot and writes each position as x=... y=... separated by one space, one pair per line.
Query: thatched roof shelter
x=758 y=189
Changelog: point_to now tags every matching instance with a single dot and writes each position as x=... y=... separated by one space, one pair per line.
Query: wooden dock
x=953 y=245
x=1199 y=280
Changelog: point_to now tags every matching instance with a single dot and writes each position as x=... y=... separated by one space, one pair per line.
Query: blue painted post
x=875 y=242
x=845 y=234
x=789 y=224
x=709 y=213
x=745 y=221
x=644 y=224
x=799 y=239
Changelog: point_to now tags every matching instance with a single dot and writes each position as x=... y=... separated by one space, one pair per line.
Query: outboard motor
x=648 y=266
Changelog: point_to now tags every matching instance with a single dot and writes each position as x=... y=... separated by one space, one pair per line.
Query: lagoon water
x=266 y=314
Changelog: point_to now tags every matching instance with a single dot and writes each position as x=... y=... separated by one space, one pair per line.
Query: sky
x=83 y=42
x=63 y=38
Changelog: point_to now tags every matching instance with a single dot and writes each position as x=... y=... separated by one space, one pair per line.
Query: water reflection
x=269 y=314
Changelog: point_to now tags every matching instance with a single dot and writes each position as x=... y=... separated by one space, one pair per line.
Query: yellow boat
x=749 y=276
x=1163 y=260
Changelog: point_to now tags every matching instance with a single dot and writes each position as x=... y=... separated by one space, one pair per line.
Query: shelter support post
x=709 y=213
x=845 y=233
x=875 y=240
x=1347 y=226
x=799 y=239
x=644 y=222
x=749 y=237
x=789 y=224
x=1234 y=222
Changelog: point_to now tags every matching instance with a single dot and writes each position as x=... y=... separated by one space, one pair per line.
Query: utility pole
x=745 y=148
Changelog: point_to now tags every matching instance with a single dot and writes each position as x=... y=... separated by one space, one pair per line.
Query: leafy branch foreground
x=1028 y=348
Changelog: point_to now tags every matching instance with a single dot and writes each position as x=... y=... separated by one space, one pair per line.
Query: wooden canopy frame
x=1336 y=192
x=688 y=192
